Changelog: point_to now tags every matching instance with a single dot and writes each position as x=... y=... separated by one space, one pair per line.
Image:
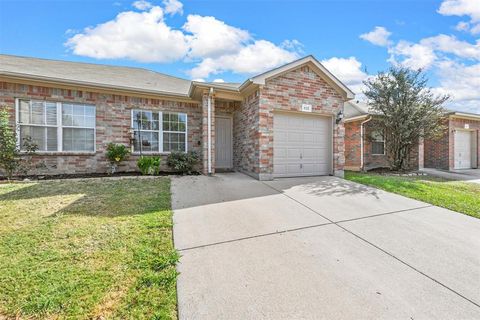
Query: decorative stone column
x=338 y=149
x=205 y=98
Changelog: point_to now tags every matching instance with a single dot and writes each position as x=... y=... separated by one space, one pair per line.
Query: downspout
x=361 y=142
x=209 y=130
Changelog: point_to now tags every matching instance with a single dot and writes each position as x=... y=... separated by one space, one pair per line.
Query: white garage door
x=463 y=149
x=302 y=145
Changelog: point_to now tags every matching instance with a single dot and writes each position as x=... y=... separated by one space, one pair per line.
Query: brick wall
x=371 y=161
x=353 y=145
x=288 y=92
x=113 y=121
x=245 y=135
x=437 y=151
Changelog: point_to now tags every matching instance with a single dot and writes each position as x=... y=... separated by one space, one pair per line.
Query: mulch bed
x=86 y=175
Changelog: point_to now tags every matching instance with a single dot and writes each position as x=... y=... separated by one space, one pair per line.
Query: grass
x=88 y=249
x=457 y=196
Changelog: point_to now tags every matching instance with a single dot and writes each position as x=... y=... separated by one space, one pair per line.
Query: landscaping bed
x=457 y=196
x=87 y=249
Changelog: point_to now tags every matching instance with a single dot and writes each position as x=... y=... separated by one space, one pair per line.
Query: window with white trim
x=378 y=143
x=159 y=131
x=57 y=126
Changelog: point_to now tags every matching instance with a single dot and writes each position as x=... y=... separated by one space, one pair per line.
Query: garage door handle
x=301 y=157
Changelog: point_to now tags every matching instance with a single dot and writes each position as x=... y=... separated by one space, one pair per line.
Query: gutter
x=362 y=133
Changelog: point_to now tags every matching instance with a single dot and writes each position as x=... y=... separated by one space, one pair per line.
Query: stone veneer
x=113 y=121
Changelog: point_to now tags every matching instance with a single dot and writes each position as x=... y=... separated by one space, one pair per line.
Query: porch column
x=208 y=97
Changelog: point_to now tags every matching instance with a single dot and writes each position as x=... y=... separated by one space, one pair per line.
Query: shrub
x=149 y=165
x=10 y=157
x=115 y=154
x=183 y=162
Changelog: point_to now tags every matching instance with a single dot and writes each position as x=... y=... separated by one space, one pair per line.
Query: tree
x=11 y=161
x=406 y=110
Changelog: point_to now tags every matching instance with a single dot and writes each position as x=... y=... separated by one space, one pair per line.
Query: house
x=284 y=122
x=365 y=143
x=459 y=146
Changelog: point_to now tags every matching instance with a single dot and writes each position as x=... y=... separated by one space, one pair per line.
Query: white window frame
x=59 y=126
x=160 y=131
x=377 y=141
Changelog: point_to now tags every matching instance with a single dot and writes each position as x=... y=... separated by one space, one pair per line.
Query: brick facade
x=252 y=121
x=439 y=153
x=371 y=161
x=113 y=122
x=288 y=92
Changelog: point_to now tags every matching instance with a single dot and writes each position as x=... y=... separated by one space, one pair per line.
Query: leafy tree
x=406 y=110
x=11 y=161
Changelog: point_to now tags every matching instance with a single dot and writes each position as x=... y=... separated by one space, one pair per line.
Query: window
x=378 y=143
x=159 y=131
x=56 y=126
x=78 y=123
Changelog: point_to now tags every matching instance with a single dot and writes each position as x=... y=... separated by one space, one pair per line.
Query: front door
x=223 y=143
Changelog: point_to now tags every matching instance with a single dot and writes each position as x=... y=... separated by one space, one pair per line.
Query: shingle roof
x=355 y=109
x=94 y=74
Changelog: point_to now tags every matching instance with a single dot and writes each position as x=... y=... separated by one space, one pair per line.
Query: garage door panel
x=302 y=145
x=463 y=149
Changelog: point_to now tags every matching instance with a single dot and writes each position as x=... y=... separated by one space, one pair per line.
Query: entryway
x=223 y=143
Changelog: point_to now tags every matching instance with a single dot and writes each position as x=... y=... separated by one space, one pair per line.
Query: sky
x=230 y=40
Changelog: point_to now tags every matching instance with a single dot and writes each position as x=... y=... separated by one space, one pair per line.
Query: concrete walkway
x=467 y=175
x=313 y=248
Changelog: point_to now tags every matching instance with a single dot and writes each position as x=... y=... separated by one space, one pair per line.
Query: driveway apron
x=320 y=247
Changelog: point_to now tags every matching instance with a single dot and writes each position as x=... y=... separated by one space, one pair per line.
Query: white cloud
x=378 y=36
x=219 y=81
x=173 y=6
x=412 y=55
x=470 y=8
x=462 y=26
x=141 y=36
x=199 y=80
x=348 y=70
x=259 y=56
x=212 y=38
x=475 y=29
x=461 y=82
x=450 y=44
x=142 y=5
x=212 y=44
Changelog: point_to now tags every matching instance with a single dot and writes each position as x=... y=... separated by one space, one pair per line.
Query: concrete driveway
x=467 y=175
x=323 y=247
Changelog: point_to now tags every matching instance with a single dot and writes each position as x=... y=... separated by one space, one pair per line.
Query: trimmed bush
x=182 y=162
x=149 y=165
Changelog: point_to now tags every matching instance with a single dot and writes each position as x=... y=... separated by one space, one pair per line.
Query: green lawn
x=458 y=196
x=89 y=249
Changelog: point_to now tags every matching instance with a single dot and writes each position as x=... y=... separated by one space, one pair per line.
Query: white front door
x=463 y=149
x=223 y=143
x=302 y=145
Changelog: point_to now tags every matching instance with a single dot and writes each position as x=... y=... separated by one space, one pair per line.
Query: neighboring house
x=459 y=146
x=365 y=143
x=285 y=122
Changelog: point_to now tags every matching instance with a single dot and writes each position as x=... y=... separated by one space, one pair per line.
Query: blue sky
x=230 y=40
